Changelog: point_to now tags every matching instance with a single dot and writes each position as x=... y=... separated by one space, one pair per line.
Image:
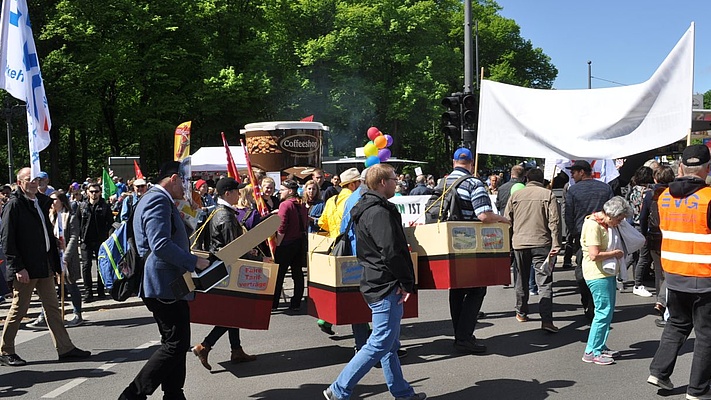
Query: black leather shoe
x=12 y=360
x=74 y=354
x=660 y=322
x=469 y=346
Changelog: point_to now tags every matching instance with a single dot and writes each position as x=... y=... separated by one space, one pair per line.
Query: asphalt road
x=297 y=361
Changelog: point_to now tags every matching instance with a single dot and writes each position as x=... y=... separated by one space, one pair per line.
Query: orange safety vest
x=686 y=237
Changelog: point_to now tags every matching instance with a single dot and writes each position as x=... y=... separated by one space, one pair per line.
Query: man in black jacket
x=420 y=188
x=223 y=227
x=95 y=220
x=32 y=260
x=387 y=282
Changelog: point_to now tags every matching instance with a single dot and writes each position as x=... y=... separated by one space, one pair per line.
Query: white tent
x=214 y=159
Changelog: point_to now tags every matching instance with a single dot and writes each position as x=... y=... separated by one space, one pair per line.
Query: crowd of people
x=46 y=232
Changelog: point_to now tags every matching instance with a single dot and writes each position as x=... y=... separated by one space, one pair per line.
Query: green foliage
x=121 y=75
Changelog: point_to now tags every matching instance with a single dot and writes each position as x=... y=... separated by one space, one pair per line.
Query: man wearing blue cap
x=44 y=186
x=465 y=303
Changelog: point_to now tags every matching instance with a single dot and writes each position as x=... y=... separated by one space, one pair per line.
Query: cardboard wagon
x=461 y=254
x=334 y=286
x=242 y=297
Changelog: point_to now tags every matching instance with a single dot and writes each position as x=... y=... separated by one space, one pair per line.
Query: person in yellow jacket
x=332 y=215
x=330 y=220
x=685 y=222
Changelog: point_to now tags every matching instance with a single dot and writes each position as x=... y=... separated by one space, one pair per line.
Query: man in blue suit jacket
x=162 y=239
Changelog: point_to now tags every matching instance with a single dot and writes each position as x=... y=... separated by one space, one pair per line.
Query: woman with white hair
x=595 y=240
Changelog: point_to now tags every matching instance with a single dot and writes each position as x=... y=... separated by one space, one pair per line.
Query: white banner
x=591 y=123
x=21 y=75
x=412 y=208
x=602 y=170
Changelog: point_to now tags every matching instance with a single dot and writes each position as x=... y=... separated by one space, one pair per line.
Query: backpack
x=444 y=204
x=120 y=265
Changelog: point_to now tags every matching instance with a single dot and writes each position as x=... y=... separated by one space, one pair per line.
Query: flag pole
x=261 y=205
x=476 y=150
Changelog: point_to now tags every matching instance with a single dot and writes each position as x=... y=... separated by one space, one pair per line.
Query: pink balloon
x=373 y=132
x=384 y=154
x=389 y=139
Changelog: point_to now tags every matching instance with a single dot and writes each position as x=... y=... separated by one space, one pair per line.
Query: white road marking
x=145 y=346
x=72 y=384
x=105 y=367
x=108 y=365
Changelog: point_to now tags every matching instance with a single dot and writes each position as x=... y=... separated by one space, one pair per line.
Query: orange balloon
x=380 y=142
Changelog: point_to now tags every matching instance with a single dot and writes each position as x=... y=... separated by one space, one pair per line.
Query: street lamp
x=7 y=113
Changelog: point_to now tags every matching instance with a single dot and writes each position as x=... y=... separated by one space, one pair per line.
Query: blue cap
x=463 y=154
x=42 y=175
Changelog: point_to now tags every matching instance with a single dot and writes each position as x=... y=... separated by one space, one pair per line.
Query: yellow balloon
x=370 y=149
x=380 y=142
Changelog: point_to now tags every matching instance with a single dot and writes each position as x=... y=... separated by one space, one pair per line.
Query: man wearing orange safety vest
x=685 y=222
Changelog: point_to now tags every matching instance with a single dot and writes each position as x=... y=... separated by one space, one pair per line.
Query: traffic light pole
x=468 y=63
x=470 y=103
x=459 y=120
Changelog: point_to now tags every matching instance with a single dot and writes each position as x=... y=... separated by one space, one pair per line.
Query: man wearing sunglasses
x=95 y=220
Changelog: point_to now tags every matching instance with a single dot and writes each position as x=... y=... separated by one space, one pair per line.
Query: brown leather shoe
x=239 y=356
x=201 y=353
x=549 y=327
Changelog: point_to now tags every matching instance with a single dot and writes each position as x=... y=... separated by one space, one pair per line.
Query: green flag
x=108 y=187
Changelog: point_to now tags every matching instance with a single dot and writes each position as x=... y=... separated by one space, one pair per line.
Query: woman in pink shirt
x=291 y=243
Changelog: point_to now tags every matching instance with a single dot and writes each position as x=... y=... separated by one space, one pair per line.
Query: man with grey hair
x=32 y=261
x=421 y=187
x=685 y=222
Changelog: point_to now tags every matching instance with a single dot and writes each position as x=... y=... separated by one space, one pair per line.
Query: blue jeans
x=382 y=346
x=603 y=293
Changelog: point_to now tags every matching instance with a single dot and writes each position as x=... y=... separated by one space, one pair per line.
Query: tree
x=121 y=75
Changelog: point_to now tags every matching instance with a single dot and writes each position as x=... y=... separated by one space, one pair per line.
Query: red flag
x=231 y=167
x=261 y=205
x=137 y=170
x=310 y=118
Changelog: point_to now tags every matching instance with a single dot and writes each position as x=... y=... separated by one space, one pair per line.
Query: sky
x=626 y=40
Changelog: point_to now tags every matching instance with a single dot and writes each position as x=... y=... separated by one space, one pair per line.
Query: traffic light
x=451 y=119
x=470 y=109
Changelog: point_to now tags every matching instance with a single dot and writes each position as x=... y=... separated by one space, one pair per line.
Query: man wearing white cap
x=139 y=187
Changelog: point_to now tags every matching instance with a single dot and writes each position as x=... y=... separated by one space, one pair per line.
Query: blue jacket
x=158 y=228
x=351 y=201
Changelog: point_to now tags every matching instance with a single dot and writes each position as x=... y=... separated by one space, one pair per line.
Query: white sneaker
x=641 y=291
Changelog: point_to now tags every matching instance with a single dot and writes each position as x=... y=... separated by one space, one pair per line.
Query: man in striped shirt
x=475 y=204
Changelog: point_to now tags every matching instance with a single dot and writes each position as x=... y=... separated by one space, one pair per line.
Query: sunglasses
x=94 y=191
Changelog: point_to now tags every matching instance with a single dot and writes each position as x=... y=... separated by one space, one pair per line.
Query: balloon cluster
x=376 y=150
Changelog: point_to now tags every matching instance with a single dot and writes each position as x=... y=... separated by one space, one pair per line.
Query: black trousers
x=464 y=307
x=166 y=367
x=290 y=256
x=687 y=312
x=90 y=252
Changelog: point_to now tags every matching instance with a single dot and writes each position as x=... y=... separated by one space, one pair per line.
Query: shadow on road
x=14 y=383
